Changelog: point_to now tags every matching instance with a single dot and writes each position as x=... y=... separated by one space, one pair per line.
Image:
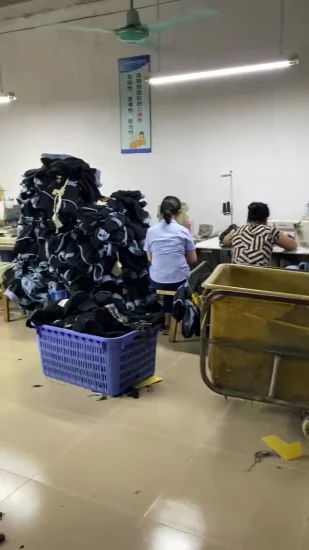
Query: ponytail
x=167 y=216
x=170 y=207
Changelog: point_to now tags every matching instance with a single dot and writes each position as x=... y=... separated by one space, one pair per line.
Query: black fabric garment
x=179 y=307
x=74 y=169
x=131 y=261
x=139 y=230
x=191 y=320
x=79 y=302
x=103 y=298
x=226 y=232
x=45 y=316
x=129 y=202
x=186 y=311
x=92 y=315
x=86 y=323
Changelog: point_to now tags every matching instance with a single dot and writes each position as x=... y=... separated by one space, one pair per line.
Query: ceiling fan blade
x=192 y=16
x=89 y=29
x=150 y=44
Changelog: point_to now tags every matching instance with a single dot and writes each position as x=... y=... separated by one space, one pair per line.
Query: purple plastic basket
x=110 y=366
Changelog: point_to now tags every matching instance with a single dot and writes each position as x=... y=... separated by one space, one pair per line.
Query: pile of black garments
x=70 y=237
x=100 y=314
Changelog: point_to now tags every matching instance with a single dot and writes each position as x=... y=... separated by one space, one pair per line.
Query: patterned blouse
x=253 y=244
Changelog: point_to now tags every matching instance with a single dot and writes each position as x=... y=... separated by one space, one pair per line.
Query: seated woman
x=170 y=250
x=253 y=243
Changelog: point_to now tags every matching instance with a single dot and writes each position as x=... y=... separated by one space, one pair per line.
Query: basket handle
x=129 y=338
x=134 y=335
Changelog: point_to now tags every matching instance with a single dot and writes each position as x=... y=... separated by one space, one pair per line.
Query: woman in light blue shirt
x=170 y=250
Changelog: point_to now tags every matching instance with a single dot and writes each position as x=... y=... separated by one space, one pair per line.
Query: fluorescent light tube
x=7 y=98
x=218 y=73
x=4 y=99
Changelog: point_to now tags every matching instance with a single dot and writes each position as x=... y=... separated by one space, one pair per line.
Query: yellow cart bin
x=259 y=334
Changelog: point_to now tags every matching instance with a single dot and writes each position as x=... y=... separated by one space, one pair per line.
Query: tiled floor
x=167 y=471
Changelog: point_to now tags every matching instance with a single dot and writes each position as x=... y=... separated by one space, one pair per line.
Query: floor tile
x=304 y=545
x=218 y=499
x=186 y=380
x=31 y=438
x=178 y=408
x=166 y=471
x=20 y=370
x=242 y=429
x=17 y=332
x=155 y=536
x=165 y=359
x=39 y=517
x=9 y=483
x=123 y=468
x=17 y=384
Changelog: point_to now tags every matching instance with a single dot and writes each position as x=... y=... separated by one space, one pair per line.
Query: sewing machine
x=298 y=229
x=205 y=231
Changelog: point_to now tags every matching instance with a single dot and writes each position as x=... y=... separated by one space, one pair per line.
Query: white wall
x=258 y=127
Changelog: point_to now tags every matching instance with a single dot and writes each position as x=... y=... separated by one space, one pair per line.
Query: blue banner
x=135 y=106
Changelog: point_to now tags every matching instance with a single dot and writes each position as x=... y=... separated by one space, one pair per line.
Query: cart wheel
x=305 y=426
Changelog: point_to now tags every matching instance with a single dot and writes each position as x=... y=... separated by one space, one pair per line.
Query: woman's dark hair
x=258 y=212
x=170 y=206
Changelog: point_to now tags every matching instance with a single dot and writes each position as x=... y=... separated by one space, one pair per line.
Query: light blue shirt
x=168 y=244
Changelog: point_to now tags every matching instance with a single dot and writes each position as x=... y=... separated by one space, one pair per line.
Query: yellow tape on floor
x=149 y=382
x=288 y=451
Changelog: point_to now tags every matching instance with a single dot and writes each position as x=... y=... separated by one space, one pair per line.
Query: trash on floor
x=288 y=451
x=133 y=393
x=259 y=456
x=100 y=396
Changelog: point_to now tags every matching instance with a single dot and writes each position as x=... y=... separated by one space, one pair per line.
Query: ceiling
x=21 y=8
x=48 y=3
x=12 y=9
x=4 y=3
x=18 y=15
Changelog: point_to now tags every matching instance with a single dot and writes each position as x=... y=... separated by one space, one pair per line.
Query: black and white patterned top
x=253 y=244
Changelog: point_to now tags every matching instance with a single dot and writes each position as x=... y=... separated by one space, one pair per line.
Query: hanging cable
x=282 y=21
x=1 y=82
x=159 y=38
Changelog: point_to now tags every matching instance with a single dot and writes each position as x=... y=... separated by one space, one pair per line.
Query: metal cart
x=258 y=344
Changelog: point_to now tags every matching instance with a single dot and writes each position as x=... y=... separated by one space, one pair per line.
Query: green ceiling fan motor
x=134 y=32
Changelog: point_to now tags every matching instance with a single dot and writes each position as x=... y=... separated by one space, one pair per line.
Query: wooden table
x=7 y=242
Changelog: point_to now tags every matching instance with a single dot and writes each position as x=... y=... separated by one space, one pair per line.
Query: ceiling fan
x=135 y=32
